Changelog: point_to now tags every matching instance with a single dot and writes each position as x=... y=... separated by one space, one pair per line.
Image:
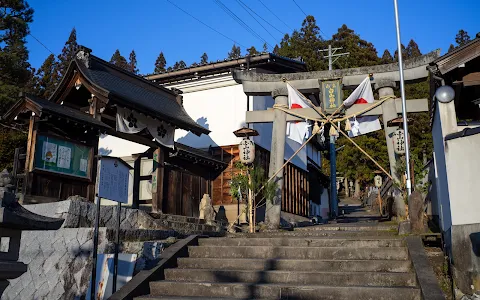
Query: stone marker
x=206 y=210
x=416 y=210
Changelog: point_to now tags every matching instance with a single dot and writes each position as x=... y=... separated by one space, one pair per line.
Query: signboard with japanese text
x=57 y=155
x=113 y=175
x=399 y=141
x=247 y=151
x=331 y=95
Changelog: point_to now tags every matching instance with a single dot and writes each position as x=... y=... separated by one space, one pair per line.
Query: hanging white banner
x=132 y=122
x=129 y=121
x=162 y=132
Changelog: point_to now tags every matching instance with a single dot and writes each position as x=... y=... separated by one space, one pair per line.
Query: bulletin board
x=61 y=156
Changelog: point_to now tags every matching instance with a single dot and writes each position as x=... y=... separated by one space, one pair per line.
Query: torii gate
x=385 y=78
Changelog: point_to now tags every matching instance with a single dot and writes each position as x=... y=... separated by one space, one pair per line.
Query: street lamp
x=445 y=94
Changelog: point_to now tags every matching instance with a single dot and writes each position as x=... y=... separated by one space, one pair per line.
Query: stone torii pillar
x=389 y=112
x=273 y=209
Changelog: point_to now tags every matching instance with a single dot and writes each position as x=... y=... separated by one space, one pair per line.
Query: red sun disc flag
x=296 y=130
x=363 y=94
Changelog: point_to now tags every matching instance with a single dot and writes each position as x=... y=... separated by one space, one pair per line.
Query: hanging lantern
x=378 y=181
x=247 y=151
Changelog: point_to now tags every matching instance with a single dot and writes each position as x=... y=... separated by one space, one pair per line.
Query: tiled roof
x=136 y=93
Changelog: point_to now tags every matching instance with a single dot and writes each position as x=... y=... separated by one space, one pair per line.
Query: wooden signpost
x=112 y=184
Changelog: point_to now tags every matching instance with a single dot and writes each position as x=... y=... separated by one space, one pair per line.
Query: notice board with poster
x=61 y=156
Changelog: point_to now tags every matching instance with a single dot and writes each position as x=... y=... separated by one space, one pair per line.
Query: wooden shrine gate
x=183 y=192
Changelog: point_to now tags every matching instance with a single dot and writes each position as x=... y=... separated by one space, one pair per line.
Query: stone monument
x=207 y=212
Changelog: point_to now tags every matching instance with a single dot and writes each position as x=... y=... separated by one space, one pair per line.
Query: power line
x=299 y=7
x=306 y=16
x=241 y=3
x=41 y=43
x=275 y=15
x=205 y=24
x=282 y=33
x=239 y=20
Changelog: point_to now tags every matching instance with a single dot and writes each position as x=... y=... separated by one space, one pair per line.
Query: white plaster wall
x=440 y=183
x=463 y=168
x=118 y=147
x=221 y=110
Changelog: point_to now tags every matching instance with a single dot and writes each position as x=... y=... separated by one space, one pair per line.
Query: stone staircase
x=335 y=261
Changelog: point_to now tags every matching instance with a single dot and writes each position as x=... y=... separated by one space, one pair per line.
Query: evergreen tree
x=68 y=53
x=387 y=57
x=451 y=48
x=179 y=65
x=252 y=51
x=362 y=52
x=462 y=37
x=119 y=61
x=412 y=50
x=306 y=44
x=46 y=78
x=265 y=47
x=275 y=49
x=160 y=64
x=132 y=63
x=235 y=52
x=204 y=59
x=404 y=53
x=15 y=72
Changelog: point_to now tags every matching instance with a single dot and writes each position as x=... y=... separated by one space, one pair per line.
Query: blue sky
x=153 y=26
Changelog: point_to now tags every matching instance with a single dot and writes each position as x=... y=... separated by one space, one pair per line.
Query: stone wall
x=60 y=262
x=79 y=213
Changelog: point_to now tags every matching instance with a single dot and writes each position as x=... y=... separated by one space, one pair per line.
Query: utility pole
x=332 y=54
x=333 y=155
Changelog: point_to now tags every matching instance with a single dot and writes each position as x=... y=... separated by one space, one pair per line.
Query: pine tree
x=462 y=37
x=265 y=47
x=119 y=61
x=68 y=53
x=412 y=50
x=132 y=63
x=451 y=48
x=15 y=72
x=179 y=65
x=252 y=51
x=46 y=78
x=204 y=59
x=387 y=57
x=160 y=64
x=235 y=52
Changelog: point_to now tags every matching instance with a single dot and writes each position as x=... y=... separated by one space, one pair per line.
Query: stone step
x=297 y=278
x=279 y=291
x=397 y=253
x=175 y=298
x=317 y=233
x=304 y=242
x=349 y=227
x=296 y=264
